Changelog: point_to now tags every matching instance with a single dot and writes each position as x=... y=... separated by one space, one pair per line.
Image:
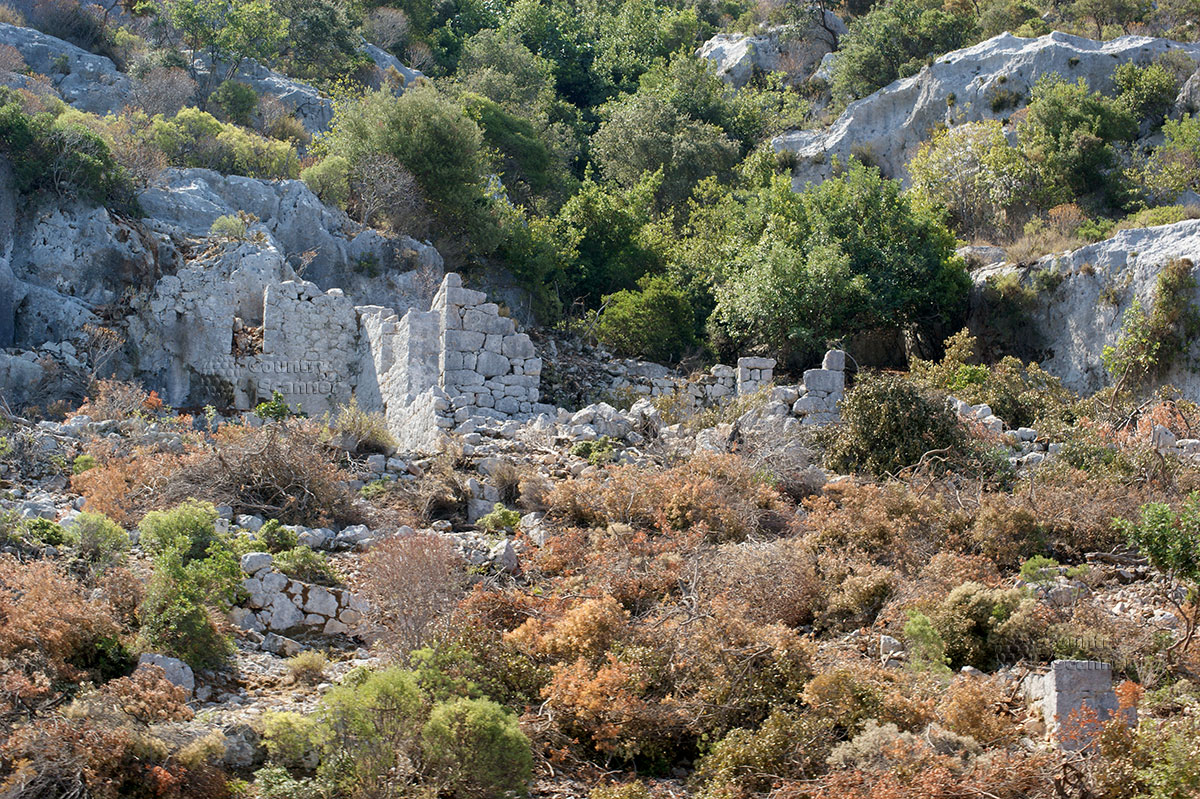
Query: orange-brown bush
x=114 y=400
x=146 y=696
x=854 y=590
x=978 y=708
x=586 y=630
x=716 y=494
x=126 y=487
x=54 y=758
x=47 y=628
x=890 y=524
x=775 y=581
x=612 y=707
x=411 y=584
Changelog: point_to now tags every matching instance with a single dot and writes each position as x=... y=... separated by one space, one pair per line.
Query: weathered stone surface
x=797 y=49
x=1062 y=693
x=1073 y=324
x=175 y=670
x=254 y=562
x=85 y=80
x=893 y=122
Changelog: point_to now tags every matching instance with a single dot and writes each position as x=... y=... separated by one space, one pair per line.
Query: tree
x=1068 y=132
x=322 y=39
x=849 y=255
x=985 y=184
x=894 y=40
x=654 y=322
x=644 y=134
x=228 y=32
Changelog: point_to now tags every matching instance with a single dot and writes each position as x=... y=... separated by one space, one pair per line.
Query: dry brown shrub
x=979 y=708
x=164 y=90
x=55 y=758
x=587 y=630
x=123 y=591
x=142 y=160
x=411 y=584
x=127 y=486
x=47 y=626
x=146 y=696
x=282 y=470
x=891 y=524
x=11 y=59
x=717 y=494
x=384 y=193
x=386 y=27
x=855 y=590
x=439 y=493
x=117 y=400
x=921 y=773
x=776 y=581
x=11 y=16
x=856 y=691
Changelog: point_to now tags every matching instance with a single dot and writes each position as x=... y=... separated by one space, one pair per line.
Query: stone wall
x=1068 y=694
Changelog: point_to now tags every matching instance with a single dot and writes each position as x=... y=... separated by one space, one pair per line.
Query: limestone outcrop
x=1095 y=286
x=795 y=49
x=84 y=80
x=990 y=80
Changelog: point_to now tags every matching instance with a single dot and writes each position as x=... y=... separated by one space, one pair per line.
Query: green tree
x=894 y=40
x=228 y=32
x=655 y=321
x=986 y=185
x=322 y=40
x=1068 y=132
x=598 y=237
x=643 y=134
x=1174 y=166
x=476 y=750
x=852 y=254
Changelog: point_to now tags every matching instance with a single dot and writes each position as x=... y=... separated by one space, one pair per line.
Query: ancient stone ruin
x=1074 y=697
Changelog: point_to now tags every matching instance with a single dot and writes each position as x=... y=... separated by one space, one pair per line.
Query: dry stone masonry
x=1072 y=696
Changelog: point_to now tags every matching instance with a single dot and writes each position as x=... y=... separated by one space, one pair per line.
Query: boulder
x=795 y=49
x=175 y=670
x=990 y=80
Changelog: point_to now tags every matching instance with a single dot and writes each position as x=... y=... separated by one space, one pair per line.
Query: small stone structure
x=1072 y=696
x=278 y=603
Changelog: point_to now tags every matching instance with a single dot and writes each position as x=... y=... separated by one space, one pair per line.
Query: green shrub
x=475 y=748
x=274 y=537
x=1019 y=393
x=984 y=627
x=289 y=738
x=229 y=227
x=46 y=532
x=368 y=729
x=83 y=463
x=307 y=565
x=235 y=101
x=501 y=518
x=1174 y=166
x=1162 y=215
x=888 y=423
x=177 y=616
x=194 y=138
x=1039 y=570
x=369 y=430
x=308 y=666
x=276 y=409
x=100 y=540
x=329 y=180
x=1146 y=92
x=50 y=156
x=1151 y=341
x=654 y=322
x=276 y=782
x=189 y=528
x=1169 y=538
x=926 y=649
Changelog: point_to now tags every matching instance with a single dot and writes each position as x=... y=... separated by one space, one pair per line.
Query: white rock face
x=1078 y=319
x=84 y=80
x=960 y=87
x=796 y=49
x=175 y=670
